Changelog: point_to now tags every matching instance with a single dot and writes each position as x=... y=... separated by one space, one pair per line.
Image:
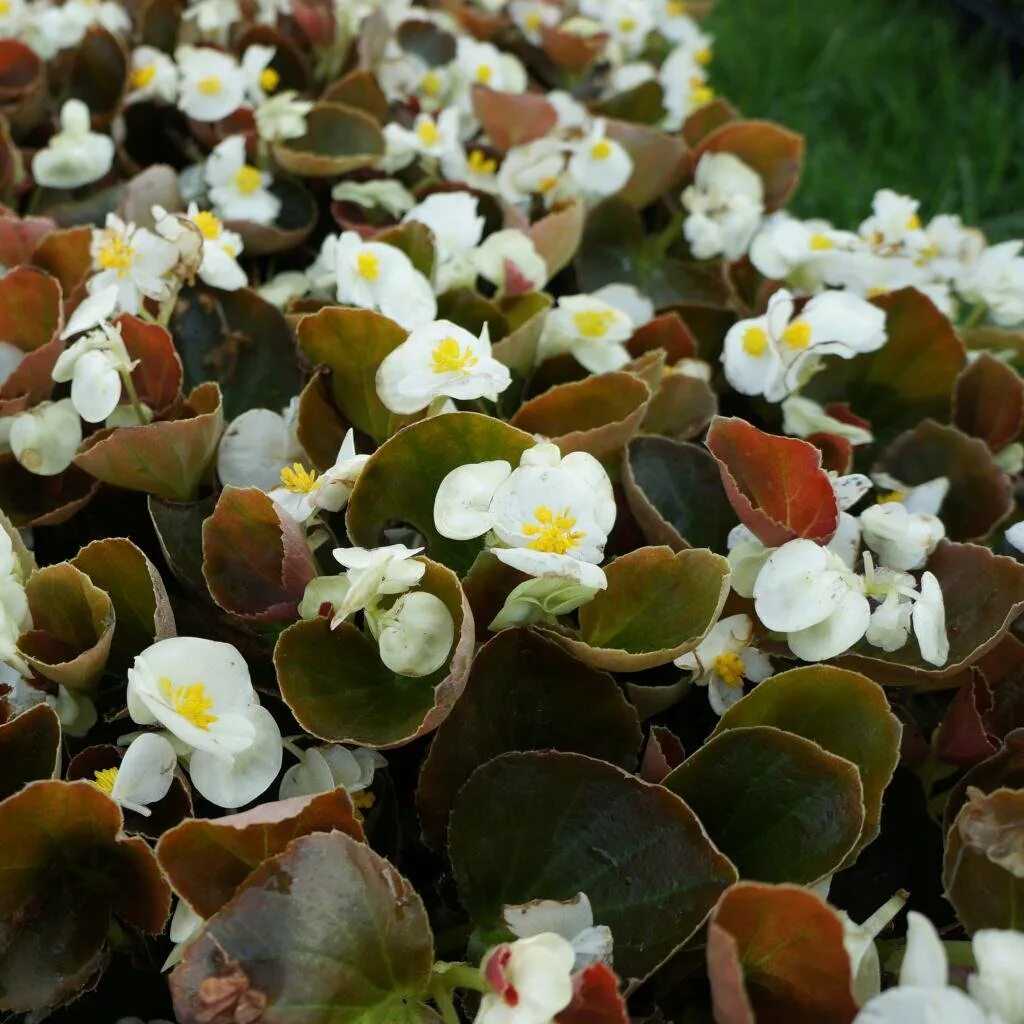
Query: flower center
x=821 y=243
x=247 y=179
x=676 y=8
x=546 y=184
x=141 y=77
x=594 y=323
x=553 y=531
x=431 y=83
x=797 y=334
x=484 y=73
x=103 y=779
x=481 y=163
x=209 y=226
x=601 y=150
x=703 y=55
x=367 y=266
x=427 y=133
x=700 y=93
x=730 y=668
x=269 y=79
x=885 y=499
x=449 y=358
x=191 y=701
x=5 y=8
x=755 y=342
x=297 y=479
x=913 y=222
x=116 y=254
x=211 y=85
x=627 y=24
x=533 y=20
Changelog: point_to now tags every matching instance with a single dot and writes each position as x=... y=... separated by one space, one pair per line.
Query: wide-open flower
x=483 y=63
x=261 y=80
x=430 y=136
x=237 y=189
x=769 y=355
x=211 y=86
x=199 y=691
x=44 y=439
x=377 y=276
x=894 y=224
x=257 y=446
x=95 y=365
x=282 y=116
x=76 y=155
x=725 y=205
x=572 y=919
x=154 y=76
x=902 y=540
x=133 y=258
x=437 y=361
x=592 y=330
x=321 y=769
x=144 y=775
x=302 y=492
x=599 y=166
x=371 y=573
x=723 y=659
x=218 y=248
x=530 y=981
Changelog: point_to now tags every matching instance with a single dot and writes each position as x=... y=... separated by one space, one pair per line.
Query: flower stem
x=167 y=307
x=443 y=1001
x=461 y=976
x=975 y=317
x=133 y=397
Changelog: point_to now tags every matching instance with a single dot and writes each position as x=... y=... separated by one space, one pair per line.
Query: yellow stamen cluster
x=594 y=323
x=116 y=254
x=601 y=150
x=427 y=133
x=269 y=79
x=821 y=243
x=481 y=163
x=210 y=86
x=247 y=179
x=191 y=701
x=208 y=224
x=553 y=531
x=484 y=73
x=140 y=77
x=729 y=668
x=885 y=499
x=797 y=334
x=103 y=779
x=367 y=266
x=447 y=357
x=431 y=83
x=755 y=342
x=913 y=222
x=297 y=479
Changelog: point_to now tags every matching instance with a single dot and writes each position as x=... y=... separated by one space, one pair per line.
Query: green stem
x=462 y=976
x=167 y=307
x=133 y=397
x=443 y=1001
x=975 y=317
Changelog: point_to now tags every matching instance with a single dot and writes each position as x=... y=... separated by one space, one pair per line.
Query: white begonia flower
x=952 y=246
x=371 y=573
x=93 y=310
x=284 y=288
x=803 y=417
x=257 y=445
x=684 y=84
x=457 y=228
x=629 y=22
x=530 y=980
x=211 y=85
x=859 y=943
x=238 y=190
x=901 y=539
x=770 y=355
x=926 y=498
x=321 y=769
x=437 y=361
x=415 y=635
x=44 y=439
x=218 y=265
x=76 y=155
x=572 y=919
x=811 y=595
x=509 y=256
x=199 y=690
x=96 y=365
x=391 y=196
x=260 y=78
x=627 y=297
x=599 y=166
x=535 y=168
x=282 y=117
x=13 y=602
x=154 y=76
x=799 y=251
x=186 y=924
x=213 y=18
x=136 y=260
x=723 y=659
x=377 y=276
x=593 y=331
x=929 y=618
x=144 y=776
x=480 y=63
x=529 y=16
x=894 y=224
x=996 y=278
x=675 y=24
x=998 y=984
x=302 y=493
x=430 y=136
x=725 y=205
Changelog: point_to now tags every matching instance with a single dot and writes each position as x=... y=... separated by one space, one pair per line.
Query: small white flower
x=998 y=984
x=219 y=248
x=799 y=251
x=572 y=919
x=44 y=439
x=260 y=78
x=535 y=168
x=593 y=331
x=238 y=190
x=684 y=83
x=303 y=493
x=322 y=769
x=440 y=360
x=599 y=166
x=212 y=85
x=924 y=499
x=199 y=690
x=996 y=278
x=637 y=306
x=430 y=136
x=415 y=635
x=628 y=22
x=484 y=64
x=257 y=445
x=725 y=205
x=282 y=117
x=95 y=365
x=138 y=262
x=770 y=355
x=803 y=417
x=144 y=776
x=92 y=311
x=154 y=76
x=723 y=659
x=531 y=15
x=213 y=18
x=371 y=573
x=530 y=981
x=457 y=228
x=373 y=275
x=76 y=155
x=510 y=255
x=894 y=224
x=929 y=617
x=901 y=539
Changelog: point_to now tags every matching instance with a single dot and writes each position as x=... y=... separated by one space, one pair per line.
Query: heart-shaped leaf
x=512 y=119
x=338 y=139
x=989 y=401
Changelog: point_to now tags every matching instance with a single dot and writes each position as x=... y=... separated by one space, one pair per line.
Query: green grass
x=889 y=93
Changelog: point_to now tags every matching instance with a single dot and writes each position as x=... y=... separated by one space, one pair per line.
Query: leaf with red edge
x=776 y=153
x=513 y=119
x=595 y=998
x=557 y=236
x=775 y=955
x=989 y=401
x=961 y=738
x=659 y=161
x=65 y=254
x=29 y=748
x=31 y=319
x=667 y=332
x=19 y=236
x=158 y=375
x=255 y=557
x=571 y=52
x=775 y=484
